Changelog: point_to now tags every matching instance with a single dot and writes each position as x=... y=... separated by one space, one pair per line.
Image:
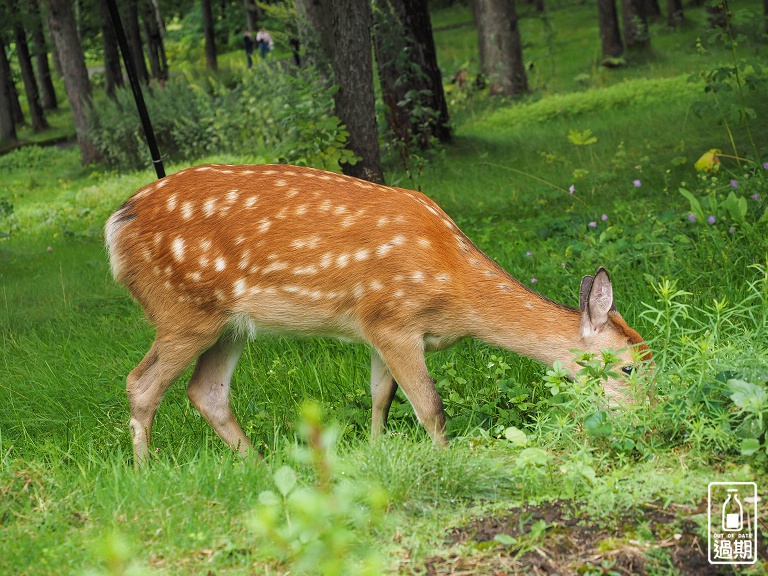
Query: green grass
x=70 y=501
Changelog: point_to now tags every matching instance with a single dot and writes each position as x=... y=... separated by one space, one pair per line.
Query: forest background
x=562 y=154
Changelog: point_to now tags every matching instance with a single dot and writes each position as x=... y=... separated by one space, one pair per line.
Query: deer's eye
x=628 y=369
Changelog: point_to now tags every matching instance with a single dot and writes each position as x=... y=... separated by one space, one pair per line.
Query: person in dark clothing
x=293 y=42
x=249 y=45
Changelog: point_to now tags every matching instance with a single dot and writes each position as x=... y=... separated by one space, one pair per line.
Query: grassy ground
x=574 y=495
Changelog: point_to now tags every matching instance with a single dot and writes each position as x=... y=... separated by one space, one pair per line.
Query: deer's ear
x=596 y=300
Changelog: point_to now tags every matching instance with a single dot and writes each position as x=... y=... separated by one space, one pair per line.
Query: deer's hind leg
x=209 y=388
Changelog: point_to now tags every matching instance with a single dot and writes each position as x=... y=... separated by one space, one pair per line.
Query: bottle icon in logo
x=733 y=513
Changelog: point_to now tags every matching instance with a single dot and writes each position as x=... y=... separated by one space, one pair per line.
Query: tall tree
x=635 y=18
x=252 y=14
x=45 y=82
x=133 y=35
x=610 y=37
x=316 y=29
x=113 y=70
x=7 y=121
x=411 y=83
x=210 y=36
x=9 y=85
x=154 y=30
x=499 y=34
x=675 y=13
x=61 y=23
x=36 y=114
x=353 y=71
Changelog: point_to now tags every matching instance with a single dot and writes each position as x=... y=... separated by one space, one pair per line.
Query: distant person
x=264 y=42
x=293 y=42
x=248 y=41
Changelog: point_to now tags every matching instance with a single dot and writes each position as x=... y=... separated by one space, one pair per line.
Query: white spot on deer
x=205 y=245
x=253 y=269
x=177 y=247
x=289 y=173
x=275 y=266
x=325 y=177
x=203 y=168
x=300 y=210
x=239 y=240
x=282 y=215
x=325 y=206
x=209 y=207
x=383 y=221
x=291 y=289
x=358 y=291
x=310 y=242
x=171 y=203
x=305 y=270
x=417 y=276
x=232 y=196
x=186 y=210
x=194 y=276
x=505 y=287
x=220 y=264
x=227 y=171
x=156 y=270
x=291 y=193
x=204 y=261
x=443 y=277
x=342 y=260
x=245 y=258
x=219 y=295
x=450 y=225
x=399 y=293
x=326 y=260
x=250 y=201
x=264 y=225
x=158 y=238
x=246 y=172
x=254 y=290
x=376 y=285
x=424 y=242
x=281 y=182
x=238 y=288
x=147 y=255
x=339 y=210
x=397 y=278
x=362 y=254
x=270 y=172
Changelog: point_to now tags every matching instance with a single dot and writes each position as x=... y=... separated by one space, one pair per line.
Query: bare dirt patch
x=649 y=540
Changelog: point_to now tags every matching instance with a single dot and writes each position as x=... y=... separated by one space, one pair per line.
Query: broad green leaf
x=749 y=446
x=516 y=436
x=598 y=425
x=695 y=204
x=532 y=456
x=285 y=480
x=505 y=539
x=268 y=498
x=747 y=396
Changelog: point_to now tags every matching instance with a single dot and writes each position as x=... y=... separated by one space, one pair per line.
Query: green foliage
x=268 y=115
x=318 y=530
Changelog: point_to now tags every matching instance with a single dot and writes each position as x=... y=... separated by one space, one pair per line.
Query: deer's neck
x=508 y=315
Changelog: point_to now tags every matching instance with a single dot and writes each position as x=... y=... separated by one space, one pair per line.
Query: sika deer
x=216 y=254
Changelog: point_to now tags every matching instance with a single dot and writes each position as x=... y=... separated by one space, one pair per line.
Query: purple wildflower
x=692 y=217
x=734 y=184
x=572 y=188
x=731 y=230
x=592 y=224
x=765 y=166
x=534 y=280
x=637 y=183
x=755 y=196
x=529 y=254
x=711 y=219
x=604 y=217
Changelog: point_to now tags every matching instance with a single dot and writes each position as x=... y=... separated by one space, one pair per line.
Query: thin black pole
x=136 y=88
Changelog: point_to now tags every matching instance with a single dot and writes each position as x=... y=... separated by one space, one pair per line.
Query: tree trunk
x=675 y=13
x=652 y=10
x=411 y=83
x=7 y=121
x=353 y=71
x=36 y=114
x=481 y=33
x=44 y=81
x=503 y=49
x=133 y=35
x=153 y=30
x=252 y=15
x=316 y=30
x=210 y=37
x=10 y=87
x=636 y=34
x=61 y=23
x=610 y=37
x=113 y=70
